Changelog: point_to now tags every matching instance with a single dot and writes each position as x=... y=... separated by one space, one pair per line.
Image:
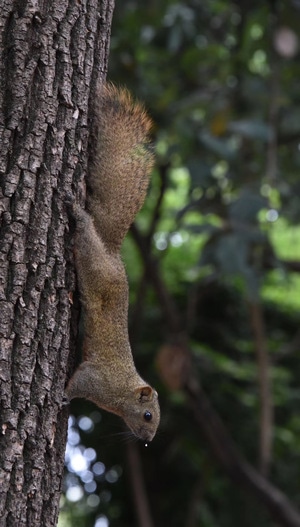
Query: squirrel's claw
x=65 y=401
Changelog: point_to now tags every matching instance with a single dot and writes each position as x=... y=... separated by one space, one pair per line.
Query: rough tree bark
x=52 y=55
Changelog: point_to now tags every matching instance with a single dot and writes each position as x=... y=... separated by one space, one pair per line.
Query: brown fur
x=121 y=151
x=117 y=186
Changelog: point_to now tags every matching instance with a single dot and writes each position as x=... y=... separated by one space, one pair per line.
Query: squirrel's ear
x=145 y=393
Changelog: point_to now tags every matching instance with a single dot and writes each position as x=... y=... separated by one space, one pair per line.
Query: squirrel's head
x=143 y=416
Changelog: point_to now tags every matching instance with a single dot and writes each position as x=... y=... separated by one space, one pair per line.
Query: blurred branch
x=147 y=241
x=196 y=498
x=289 y=349
x=138 y=487
x=138 y=309
x=217 y=436
x=290 y=265
x=271 y=261
x=272 y=147
x=265 y=389
x=163 y=171
x=191 y=307
x=287 y=138
x=241 y=473
x=152 y=271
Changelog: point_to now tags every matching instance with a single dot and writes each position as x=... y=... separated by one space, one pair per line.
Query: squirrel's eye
x=147 y=416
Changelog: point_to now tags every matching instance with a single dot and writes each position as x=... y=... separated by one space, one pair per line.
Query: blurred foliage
x=222 y=82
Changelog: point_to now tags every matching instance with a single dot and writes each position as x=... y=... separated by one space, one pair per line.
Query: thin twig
x=265 y=387
x=138 y=487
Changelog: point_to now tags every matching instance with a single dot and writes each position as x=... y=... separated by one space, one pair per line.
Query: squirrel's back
x=120 y=164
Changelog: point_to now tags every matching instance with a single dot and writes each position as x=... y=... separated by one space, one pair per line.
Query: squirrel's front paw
x=70 y=203
x=69 y=199
x=73 y=205
x=65 y=401
x=76 y=211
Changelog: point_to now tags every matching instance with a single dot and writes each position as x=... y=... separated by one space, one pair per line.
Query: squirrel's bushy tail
x=120 y=163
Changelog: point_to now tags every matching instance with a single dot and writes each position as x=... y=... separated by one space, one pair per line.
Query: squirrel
x=117 y=182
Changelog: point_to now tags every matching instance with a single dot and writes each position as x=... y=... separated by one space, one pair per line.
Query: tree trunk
x=52 y=55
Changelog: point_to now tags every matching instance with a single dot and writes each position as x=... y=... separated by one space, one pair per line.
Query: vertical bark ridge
x=51 y=56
